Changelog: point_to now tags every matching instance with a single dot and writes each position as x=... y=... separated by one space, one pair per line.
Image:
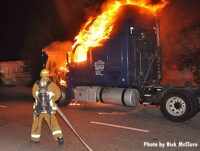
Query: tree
x=188 y=50
x=37 y=37
x=43 y=28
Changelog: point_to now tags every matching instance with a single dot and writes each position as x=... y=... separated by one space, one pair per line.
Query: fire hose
x=72 y=128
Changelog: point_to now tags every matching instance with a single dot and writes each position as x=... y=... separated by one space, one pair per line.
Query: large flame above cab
x=98 y=29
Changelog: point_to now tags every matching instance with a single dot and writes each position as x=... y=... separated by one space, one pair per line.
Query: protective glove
x=50 y=94
x=38 y=110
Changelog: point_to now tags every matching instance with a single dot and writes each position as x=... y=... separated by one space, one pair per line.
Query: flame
x=56 y=62
x=74 y=104
x=99 y=28
x=63 y=68
x=63 y=83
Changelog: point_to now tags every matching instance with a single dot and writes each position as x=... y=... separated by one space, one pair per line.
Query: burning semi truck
x=125 y=69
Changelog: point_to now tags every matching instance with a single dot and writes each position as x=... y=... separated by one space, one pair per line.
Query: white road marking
x=112 y=113
x=118 y=126
x=3 y=106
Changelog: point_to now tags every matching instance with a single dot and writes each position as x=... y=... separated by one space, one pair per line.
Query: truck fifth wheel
x=126 y=70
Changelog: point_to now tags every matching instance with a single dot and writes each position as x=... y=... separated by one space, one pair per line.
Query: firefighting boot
x=60 y=140
x=34 y=142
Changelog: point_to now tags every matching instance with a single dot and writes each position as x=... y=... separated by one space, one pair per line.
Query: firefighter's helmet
x=44 y=73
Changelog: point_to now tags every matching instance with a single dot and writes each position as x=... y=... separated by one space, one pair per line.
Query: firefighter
x=46 y=93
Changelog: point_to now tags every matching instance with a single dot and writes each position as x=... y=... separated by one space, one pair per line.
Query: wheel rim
x=176 y=106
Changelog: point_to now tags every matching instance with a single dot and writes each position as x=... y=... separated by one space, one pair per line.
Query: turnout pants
x=52 y=123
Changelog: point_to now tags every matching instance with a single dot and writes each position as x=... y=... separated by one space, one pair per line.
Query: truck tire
x=177 y=105
x=65 y=97
x=195 y=103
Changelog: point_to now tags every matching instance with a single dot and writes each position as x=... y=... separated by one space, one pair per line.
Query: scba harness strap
x=43 y=104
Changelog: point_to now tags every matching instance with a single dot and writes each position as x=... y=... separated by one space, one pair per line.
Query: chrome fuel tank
x=121 y=96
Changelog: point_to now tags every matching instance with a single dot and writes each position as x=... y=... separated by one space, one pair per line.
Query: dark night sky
x=15 y=16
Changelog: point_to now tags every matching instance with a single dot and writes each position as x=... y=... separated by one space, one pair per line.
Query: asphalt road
x=103 y=127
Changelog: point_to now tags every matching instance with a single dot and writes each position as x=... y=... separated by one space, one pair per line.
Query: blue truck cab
x=129 y=58
x=126 y=70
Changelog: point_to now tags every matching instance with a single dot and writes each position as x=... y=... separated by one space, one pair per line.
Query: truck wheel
x=65 y=97
x=194 y=100
x=177 y=106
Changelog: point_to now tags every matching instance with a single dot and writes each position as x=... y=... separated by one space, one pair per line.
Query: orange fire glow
x=74 y=104
x=56 y=62
x=98 y=29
